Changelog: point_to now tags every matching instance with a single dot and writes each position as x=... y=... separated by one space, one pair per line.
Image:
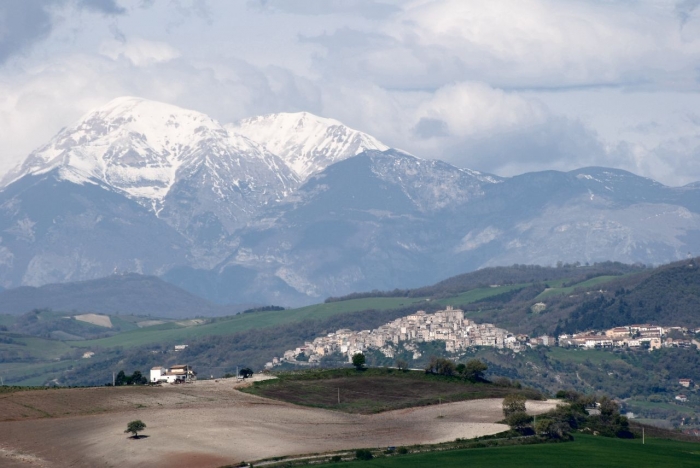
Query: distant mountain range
x=126 y=294
x=288 y=209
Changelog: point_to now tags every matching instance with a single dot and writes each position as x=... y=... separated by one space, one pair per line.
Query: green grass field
x=375 y=390
x=23 y=373
x=171 y=332
x=651 y=405
x=478 y=294
x=33 y=347
x=555 y=290
x=585 y=451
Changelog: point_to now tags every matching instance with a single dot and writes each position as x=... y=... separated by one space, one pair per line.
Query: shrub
x=440 y=366
x=363 y=454
x=502 y=382
x=518 y=420
x=513 y=403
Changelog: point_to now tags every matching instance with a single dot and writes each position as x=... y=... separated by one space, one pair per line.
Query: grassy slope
x=34 y=347
x=171 y=332
x=584 y=284
x=478 y=294
x=662 y=405
x=22 y=373
x=586 y=451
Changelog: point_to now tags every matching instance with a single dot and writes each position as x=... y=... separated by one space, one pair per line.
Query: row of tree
x=473 y=369
x=134 y=379
x=562 y=421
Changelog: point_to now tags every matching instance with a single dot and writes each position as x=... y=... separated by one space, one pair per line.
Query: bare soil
x=210 y=424
x=95 y=319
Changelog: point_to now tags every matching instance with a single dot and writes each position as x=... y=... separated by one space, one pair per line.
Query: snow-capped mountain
x=130 y=144
x=306 y=142
x=183 y=165
x=291 y=208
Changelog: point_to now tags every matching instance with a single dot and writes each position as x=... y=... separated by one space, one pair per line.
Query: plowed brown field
x=210 y=424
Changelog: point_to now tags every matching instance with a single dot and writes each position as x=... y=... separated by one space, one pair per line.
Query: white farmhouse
x=176 y=374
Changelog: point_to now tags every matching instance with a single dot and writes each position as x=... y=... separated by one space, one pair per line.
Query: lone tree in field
x=513 y=403
x=134 y=427
x=358 y=360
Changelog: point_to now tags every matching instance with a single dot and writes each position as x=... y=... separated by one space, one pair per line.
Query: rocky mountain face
x=54 y=230
x=383 y=220
x=291 y=208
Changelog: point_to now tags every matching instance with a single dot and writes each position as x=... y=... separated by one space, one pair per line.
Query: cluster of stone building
x=631 y=336
x=460 y=333
x=447 y=325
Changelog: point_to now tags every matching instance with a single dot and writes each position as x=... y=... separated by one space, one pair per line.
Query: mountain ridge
x=306 y=142
x=156 y=189
x=118 y=293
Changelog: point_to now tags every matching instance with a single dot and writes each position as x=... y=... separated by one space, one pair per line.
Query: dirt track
x=210 y=424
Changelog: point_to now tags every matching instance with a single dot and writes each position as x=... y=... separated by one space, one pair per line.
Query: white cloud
x=518 y=44
x=504 y=86
x=470 y=109
x=138 y=51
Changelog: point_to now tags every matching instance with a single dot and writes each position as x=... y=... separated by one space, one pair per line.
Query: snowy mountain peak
x=139 y=147
x=306 y=142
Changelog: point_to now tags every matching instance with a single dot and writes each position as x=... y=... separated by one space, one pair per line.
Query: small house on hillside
x=176 y=374
x=685 y=382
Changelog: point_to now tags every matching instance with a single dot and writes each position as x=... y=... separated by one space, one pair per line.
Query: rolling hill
x=126 y=294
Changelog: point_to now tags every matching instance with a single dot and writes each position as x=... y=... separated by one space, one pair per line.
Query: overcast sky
x=499 y=86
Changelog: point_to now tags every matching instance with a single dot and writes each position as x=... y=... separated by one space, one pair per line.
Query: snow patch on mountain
x=306 y=142
x=477 y=238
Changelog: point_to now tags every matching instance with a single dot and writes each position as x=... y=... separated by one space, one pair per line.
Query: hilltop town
x=460 y=333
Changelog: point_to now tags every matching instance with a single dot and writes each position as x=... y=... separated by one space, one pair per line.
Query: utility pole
x=338 y=395
x=113 y=380
x=642 y=435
